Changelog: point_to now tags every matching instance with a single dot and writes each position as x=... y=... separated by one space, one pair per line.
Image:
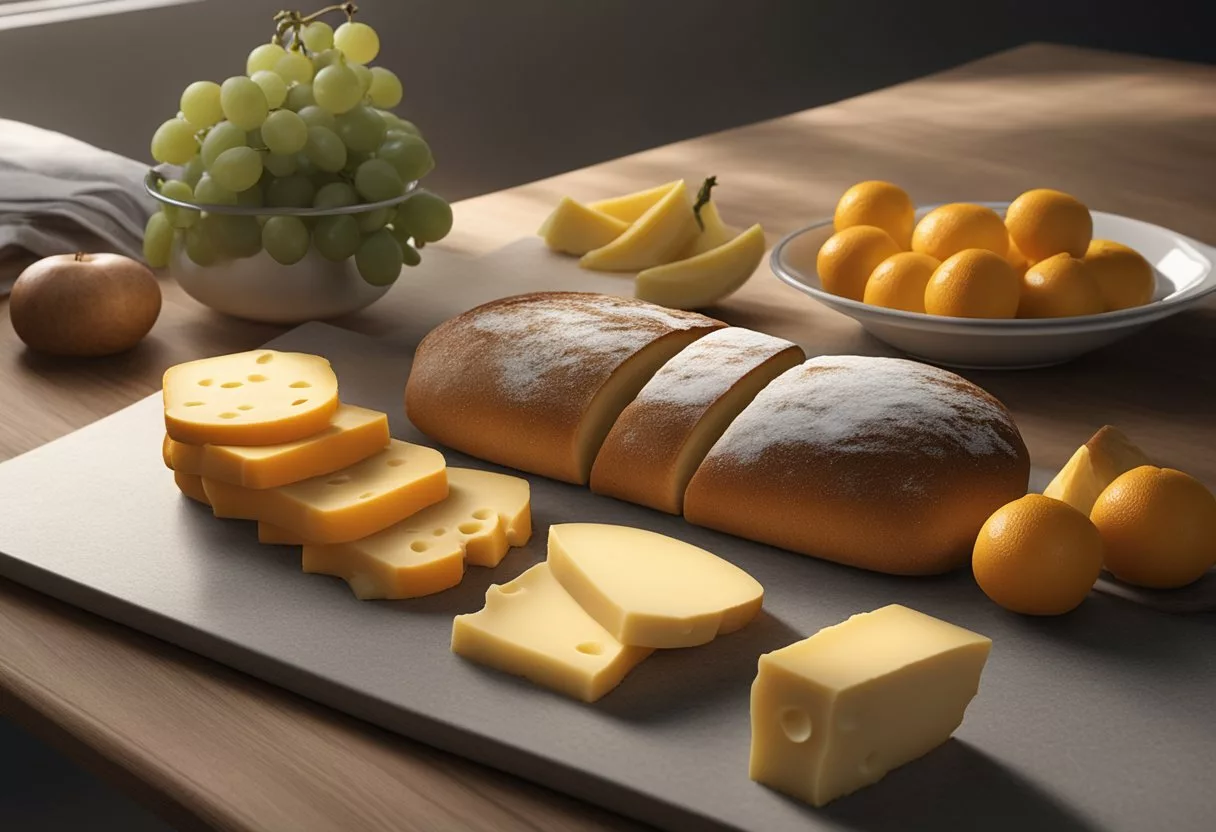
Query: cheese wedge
x=573 y=228
x=706 y=278
x=191 y=486
x=346 y=505
x=354 y=434
x=483 y=516
x=1107 y=455
x=261 y=397
x=656 y=237
x=531 y=627
x=649 y=590
x=715 y=232
x=629 y=207
x=837 y=711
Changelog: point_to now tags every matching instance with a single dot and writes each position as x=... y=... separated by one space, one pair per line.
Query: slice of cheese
x=649 y=590
x=629 y=207
x=354 y=434
x=191 y=486
x=706 y=278
x=166 y=452
x=483 y=516
x=346 y=505
x=1104 y=458
x=655 y=237
x=260 y=397
x=273 y=535
x=531 y=627
x=573 y=228
x=837 y=711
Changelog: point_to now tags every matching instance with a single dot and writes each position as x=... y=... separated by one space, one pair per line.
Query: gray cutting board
x=1103 y=719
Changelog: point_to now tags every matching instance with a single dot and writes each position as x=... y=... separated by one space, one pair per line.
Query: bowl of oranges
x=1029 y=283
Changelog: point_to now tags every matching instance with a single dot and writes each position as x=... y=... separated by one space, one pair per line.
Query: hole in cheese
x=796 y=724
x=393 y=463
x=420 y=545
x=256 y=377
x=367 y=494
x=194 y=404
x=469 y=528
x=439 y=532
x=245 y=407
x=867 y=765
x=590 y=648
x=299 y=402
x=299 y=384
x=229 y=415
x=205 y=382
x=483 y=514
x=231 y=384
x=265 y=358
x=510 y=589
x=342 y=480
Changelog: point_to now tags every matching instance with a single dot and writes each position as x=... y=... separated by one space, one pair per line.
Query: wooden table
x=208 y=747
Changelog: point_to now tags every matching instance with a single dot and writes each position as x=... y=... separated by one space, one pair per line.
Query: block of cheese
x=531 y=627
x=354 y=434
x=261 y=397
x=662 y=435
x=881 y=463
x=346 y=505
x=273 y=535
x=191 y=486
x=1104 y=458
x=535 y=381
x=483 y=516
x=629 y=207
x=650 y=590
x=837 y=711
x=658 y=236
x=574 y=228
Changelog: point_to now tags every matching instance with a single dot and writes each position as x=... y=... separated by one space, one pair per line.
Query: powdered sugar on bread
x=703 y=371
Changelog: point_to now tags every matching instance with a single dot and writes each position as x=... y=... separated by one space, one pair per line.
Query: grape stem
x=703 y=198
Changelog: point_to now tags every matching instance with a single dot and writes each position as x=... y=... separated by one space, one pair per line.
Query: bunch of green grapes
x=309 y=124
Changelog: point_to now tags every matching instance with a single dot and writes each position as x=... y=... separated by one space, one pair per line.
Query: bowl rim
x=1102 y=320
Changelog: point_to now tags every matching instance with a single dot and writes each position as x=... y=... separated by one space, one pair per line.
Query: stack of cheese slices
x=263 y=436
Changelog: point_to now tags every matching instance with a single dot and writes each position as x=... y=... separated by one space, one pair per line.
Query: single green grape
x=361 y=129
x=294 y=191
x=336 y=88
x=299 y=96
x=221 y=137
x=263 y=57
x=280 y=164
x=365 y=78
x=237 y=169
x=285 y=132
x=325 y=150
x=358 y=41
x=233 y=235
x=376 y=180
x=199 y=246
x=244 y=102
x=173 y=143
x=385 y=89
x=251 y=197
x=317 y=36
x=335 y=195
x=405 y=128
x=294 y=67
x=327 y=57
x=409 y=155
x=336 y=238
x=426 y=215
x=193 y=171
x=273 y=87
x=409 y=255
x=178 y=217
x=379 y=258
x=201 y=104
x=285 y=239
x=208 y=192
x=370 y=221
x=314 y=116
x=158 y=240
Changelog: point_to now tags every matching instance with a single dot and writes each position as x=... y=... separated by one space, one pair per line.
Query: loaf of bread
x=882 y=463
x=536 y=381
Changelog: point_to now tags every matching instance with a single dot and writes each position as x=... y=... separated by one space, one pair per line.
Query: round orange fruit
x=1159 y=527
x=899 y=281
x=1037 y=556
x=975 y=283
x=949 y=229
x=847 y=259
x=1044 y=222
x=1124 y=277
x=880 y=204
x=1059 y=287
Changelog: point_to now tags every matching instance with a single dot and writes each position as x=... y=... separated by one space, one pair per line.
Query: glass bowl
x=259 y=288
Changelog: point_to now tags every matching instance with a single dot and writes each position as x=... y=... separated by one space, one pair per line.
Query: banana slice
x=574 y=228
x=706 y=278
x=656 y=237
x=629 y=207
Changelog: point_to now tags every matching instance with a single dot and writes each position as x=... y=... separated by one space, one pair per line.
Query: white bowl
x=1183 y=268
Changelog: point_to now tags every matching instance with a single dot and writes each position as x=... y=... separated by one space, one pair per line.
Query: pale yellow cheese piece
x=483 y=516
x=706 y=278
x=354 y=434
x=837 y=711
x=655 y=237
x=1095 y=465
x=191 y=486
x=650 y=590
x=261 y=397
x=573 y=228
x=713 y=233
x=531 y=627
x=629 y=207
x=346 y=505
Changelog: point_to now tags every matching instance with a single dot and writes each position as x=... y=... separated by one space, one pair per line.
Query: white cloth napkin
x=59 y=195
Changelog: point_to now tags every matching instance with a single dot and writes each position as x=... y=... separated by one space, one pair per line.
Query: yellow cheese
x=260 y=397
x=531 y=627
x=273 y=535
x=483 y=515
x=706 y=278
x=655 y=237
x=354 y=434
x=1096 y=464
x=166 y=452
x=714 y=233
x=837 y=711
x=573 y=228
x=346 y=505
x=649 y=590
x=191 y=486
x=629 y=207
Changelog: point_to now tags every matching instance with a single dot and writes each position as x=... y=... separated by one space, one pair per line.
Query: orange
x=848 y=257
x=974 y=283
x=881 y=205
x=1044 y=222
x=1159 y=526
x=899 y=281
x=1059 y=287
x=1037 y=556
x=949 y=229
x=1019 y=261
x=1124 y=277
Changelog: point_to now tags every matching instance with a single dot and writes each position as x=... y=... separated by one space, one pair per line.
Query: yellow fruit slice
x=573 y=228
x=629 y=207
x=715 y=233
x=1095 y=465
x=706 y=278
x=655 y=238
